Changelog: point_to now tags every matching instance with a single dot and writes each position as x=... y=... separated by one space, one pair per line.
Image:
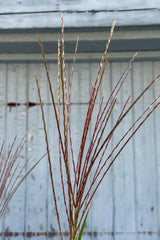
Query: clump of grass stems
x=13 y=170
x=76 y=196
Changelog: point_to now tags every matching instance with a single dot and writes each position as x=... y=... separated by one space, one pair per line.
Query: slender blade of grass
x=83 y=224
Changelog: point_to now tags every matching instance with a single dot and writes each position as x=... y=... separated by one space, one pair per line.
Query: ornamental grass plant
x=85 y=173
x=13 y=169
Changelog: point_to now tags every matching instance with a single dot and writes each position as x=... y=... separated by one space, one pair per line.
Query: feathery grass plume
x=13 y=170
x=77 y=196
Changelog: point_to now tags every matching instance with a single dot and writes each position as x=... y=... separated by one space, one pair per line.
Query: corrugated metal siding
x=127 y=205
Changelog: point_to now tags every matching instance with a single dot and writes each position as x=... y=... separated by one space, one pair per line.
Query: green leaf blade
x=82 y=228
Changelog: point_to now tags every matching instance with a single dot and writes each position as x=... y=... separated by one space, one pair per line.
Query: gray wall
x=127 y=205
x=78 y=13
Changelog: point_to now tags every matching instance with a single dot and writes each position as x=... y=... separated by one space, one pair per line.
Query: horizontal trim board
x=84 y=46
x=81 y=19
x=81 y=29
x=93 y=11
x=89 y=36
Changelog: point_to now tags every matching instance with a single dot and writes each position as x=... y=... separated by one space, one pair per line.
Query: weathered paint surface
x=127 y=205
x=33 y=14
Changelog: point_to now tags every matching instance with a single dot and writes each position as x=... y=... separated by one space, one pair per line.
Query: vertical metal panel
x=84 y=82
x=75 y=95
x=128 y=202
x=36 y=181
x=156 y=144
x=123 y=168
x=15 y=125
x=2 y=112
x=104 y=226
x=146 y=189
x=53 y=73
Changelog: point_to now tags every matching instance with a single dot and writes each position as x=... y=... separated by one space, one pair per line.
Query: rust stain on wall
x=53 y=233
x=13 y=104
x=16 y=104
